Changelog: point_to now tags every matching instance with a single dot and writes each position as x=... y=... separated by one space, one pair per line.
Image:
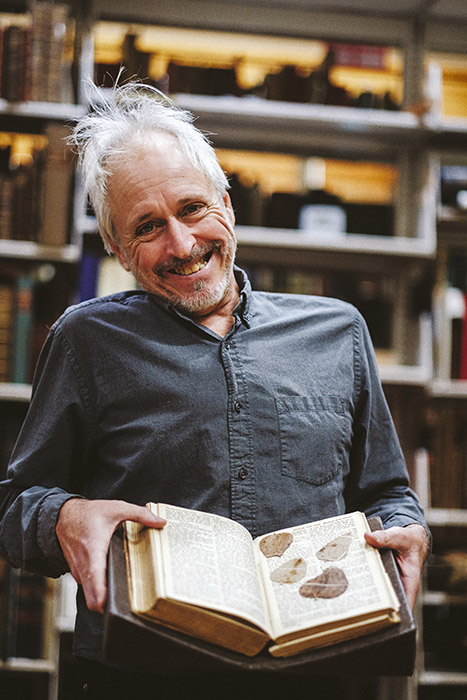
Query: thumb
x=144 y=516
x=378 y=538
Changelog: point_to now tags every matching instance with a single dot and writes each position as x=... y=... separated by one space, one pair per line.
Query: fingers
x=84 y=530
x=410 y=546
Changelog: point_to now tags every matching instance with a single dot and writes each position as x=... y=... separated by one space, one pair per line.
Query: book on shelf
x=57 y=182
x=33 y=56
x=49 y=26
x=292 y=590
x=450 y=316
x=446 y=438
x=6 y=330
x=15 y=61
x=23 y=610
x=20 y=196
x=101 y=275
x=22 y=331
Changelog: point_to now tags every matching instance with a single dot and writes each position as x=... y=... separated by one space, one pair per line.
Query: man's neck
x=221 y=319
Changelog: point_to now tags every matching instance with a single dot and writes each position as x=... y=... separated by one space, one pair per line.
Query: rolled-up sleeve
x=378 y=482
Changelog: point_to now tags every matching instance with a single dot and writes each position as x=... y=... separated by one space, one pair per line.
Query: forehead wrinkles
x=155 y=167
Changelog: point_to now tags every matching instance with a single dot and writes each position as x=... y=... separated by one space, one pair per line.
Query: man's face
x=174 y=232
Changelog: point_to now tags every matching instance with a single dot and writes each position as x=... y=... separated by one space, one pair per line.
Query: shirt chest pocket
x=313 y=432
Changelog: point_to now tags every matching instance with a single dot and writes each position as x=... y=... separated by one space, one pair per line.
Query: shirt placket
x=242 y=472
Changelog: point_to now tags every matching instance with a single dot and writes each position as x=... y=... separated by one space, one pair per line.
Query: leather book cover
x=146 y=646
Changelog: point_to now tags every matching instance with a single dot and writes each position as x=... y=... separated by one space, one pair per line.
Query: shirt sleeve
x=48 y=462
x=378 y=483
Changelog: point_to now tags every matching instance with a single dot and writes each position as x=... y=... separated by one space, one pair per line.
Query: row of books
x=23 y=595
x=20 y=196
x=15 y=330
x=32 y=65
x=446 y=441
x=444 y=640
x=31 y=298
x=290 y=83
x=450 y=317
x=36 y=194
x=312 y=210
x=23 y=613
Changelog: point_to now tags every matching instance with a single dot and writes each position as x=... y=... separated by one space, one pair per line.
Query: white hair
x=120 y=121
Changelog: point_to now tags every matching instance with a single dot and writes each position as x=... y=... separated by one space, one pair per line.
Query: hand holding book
x=307 y=586
x=410 y=545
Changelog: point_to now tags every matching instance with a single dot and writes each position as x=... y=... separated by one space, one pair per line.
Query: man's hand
x=410 y=545
x=84 y=530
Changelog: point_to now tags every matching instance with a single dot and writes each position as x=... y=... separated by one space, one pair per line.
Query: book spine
x=23 y=600
x=14 y=68
x=47 y=46
x=88 y=275
x=57 y=181
x=30 y=617
x=23 y=329
x=6 y=331
x=9 y=630
x=6 y=206
x=463 y=357
x=2 y=33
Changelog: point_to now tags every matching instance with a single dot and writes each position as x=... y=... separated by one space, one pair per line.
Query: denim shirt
x=280 y=422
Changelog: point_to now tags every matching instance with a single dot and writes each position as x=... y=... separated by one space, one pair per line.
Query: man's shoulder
x=306 y=304
x=101 y=308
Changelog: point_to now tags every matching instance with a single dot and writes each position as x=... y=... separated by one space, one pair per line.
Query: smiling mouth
x=191 y=268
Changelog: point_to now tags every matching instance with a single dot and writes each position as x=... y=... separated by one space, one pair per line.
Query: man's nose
x=179 y=239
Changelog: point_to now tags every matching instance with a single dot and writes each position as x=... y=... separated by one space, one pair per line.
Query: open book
x=300 y=588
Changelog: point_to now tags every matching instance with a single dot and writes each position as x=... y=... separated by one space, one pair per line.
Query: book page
x=209 y=561
x=322 y=571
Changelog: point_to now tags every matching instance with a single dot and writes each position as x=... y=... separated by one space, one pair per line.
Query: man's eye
x=145 y=229
x=194 y=208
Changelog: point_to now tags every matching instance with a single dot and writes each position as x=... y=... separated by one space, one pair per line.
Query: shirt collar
x=241 y=311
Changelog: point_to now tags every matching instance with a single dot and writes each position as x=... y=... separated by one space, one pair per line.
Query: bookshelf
x=415 y=143
x=38 y=242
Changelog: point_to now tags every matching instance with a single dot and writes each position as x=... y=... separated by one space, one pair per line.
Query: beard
x=204 y=295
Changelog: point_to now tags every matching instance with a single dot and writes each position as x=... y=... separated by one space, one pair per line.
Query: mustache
x=174 y=263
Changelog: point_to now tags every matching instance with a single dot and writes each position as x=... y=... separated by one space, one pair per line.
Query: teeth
x=195 y=267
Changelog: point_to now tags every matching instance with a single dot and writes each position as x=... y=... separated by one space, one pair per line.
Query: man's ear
x=229 y=208
x=119 y=255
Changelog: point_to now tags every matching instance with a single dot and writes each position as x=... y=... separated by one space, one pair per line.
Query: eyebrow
x=181 y=203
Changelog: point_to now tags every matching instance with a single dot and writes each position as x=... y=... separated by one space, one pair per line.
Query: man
x=265 y=408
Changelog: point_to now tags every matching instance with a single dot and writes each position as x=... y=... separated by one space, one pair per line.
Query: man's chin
x=198 y=303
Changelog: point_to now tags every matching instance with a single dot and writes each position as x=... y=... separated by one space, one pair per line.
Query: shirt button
x=242 y=473
x=237 y=407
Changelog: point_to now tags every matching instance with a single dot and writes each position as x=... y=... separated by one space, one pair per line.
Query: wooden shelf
x=436 y=598
x=29 y=250
x=42 y=110
x=448 y=388
x=442 y=678
x=292 y=248
x=255 y=121
x=404 y=375
x=372 y=245
x=18 y=664
x=15 y=392
x=450 y=517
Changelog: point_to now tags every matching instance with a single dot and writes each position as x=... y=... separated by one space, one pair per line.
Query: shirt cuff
x=46 y=529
